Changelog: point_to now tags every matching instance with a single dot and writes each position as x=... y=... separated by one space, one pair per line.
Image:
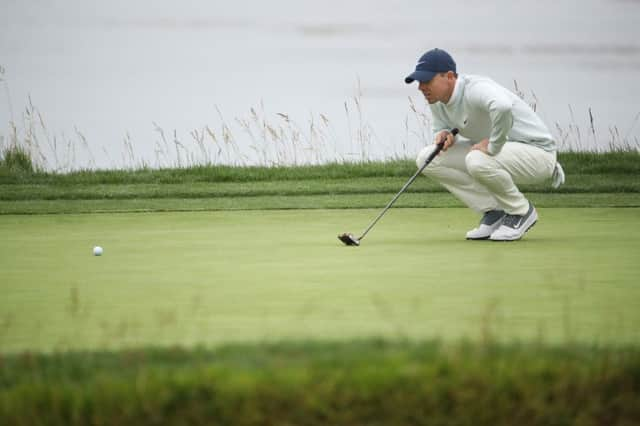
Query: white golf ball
x=97 y=251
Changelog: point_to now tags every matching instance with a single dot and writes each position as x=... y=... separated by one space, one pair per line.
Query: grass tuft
x=16 y=163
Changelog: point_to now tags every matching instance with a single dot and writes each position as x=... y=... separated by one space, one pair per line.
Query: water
x=107 y=71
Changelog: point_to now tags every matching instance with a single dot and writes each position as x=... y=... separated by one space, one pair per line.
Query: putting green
x=218 y=277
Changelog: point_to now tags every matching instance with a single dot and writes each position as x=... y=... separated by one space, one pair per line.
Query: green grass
x=362 y=382
x=575 y=163
x=253 y=276
x=277 y=202
x=16 y=163
x=372 y=185
x=592 y=180
x=223 y=297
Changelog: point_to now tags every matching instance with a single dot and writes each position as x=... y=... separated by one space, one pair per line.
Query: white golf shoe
x=515 y=226
x=490 y=222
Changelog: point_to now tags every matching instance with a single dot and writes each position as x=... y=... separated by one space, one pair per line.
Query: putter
x=351 y=240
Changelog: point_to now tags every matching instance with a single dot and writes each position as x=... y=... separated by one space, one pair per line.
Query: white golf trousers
x=485 y=182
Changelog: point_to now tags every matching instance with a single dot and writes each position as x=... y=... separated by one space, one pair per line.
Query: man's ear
x=451 y=75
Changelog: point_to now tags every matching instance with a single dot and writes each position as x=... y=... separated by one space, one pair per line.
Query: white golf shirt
x=481 y=108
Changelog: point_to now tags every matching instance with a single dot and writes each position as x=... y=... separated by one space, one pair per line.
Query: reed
x=268 y=139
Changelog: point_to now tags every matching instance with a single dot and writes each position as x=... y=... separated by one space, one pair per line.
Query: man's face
x=439 y=89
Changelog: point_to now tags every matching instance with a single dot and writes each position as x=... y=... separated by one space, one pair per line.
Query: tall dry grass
x=264 y=138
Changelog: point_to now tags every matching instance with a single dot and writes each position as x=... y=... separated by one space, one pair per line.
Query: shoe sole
x=488 y=236
x=519 y=238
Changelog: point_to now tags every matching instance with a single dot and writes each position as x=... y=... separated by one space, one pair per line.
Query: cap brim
x=422 y=76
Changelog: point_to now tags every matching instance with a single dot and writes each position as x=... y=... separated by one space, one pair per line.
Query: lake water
x=106 y=76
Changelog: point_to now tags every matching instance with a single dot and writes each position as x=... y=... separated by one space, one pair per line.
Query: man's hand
x=482 y=146
x=450 y=139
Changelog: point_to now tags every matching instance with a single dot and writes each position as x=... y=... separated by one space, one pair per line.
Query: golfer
x=502 y=143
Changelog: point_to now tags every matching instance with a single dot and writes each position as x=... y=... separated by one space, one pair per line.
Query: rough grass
x=575 y=163
x=363 y=382
x=288 y=202
x=592 y=180
x=16 y=164
x=590 y=183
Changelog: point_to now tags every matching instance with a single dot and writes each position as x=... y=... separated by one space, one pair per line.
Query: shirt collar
x=457 y=92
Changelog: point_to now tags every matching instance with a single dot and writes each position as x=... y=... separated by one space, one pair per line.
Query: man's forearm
x=502 y=122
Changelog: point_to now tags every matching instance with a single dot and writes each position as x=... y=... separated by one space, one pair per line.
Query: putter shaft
x=435 y=152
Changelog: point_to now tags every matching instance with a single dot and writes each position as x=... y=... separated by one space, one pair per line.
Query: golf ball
x=97 y=251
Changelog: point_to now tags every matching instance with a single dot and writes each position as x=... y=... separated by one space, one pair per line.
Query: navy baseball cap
x=431 y=63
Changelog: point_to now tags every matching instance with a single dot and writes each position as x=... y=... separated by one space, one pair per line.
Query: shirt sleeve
x=492 y=99
x=437 y=123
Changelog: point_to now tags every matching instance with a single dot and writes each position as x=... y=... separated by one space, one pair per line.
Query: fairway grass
x=212 y=278
x=278 y=202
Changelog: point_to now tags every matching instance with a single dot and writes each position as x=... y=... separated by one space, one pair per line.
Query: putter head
x=349 y=239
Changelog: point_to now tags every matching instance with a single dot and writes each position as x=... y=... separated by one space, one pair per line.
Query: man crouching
x=502 y=142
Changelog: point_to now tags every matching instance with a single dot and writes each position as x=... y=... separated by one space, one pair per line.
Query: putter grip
x=433 y=154
x=439 y=147
x=453 y=131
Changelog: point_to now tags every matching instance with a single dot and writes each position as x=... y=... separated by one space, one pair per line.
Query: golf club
x=350 y=239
